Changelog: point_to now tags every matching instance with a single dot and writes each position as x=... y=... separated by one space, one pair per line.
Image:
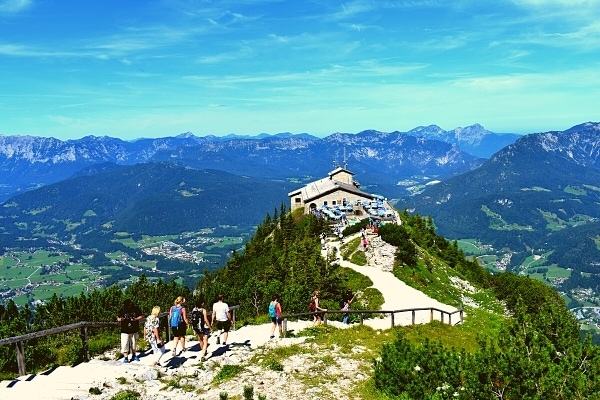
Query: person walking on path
x=201 y=326
x=275 y=314
x=152 y=335
x=222 y=315
x=346 y=301
x=129 y=316
x=314 y=306
x=178 y=322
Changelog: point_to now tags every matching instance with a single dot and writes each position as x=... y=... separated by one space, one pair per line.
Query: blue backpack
x=272 y=310
x=175 y=316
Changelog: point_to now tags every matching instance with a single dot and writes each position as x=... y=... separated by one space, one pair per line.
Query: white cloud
x=14 y=6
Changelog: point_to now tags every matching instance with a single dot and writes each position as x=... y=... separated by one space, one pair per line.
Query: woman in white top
x=152 y=335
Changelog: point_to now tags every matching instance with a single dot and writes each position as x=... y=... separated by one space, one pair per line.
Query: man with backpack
x=129 y=316
x=275 y=315
x=178 y=322
x=201 y=326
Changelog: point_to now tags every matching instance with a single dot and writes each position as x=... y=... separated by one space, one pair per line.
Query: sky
x=146 y=68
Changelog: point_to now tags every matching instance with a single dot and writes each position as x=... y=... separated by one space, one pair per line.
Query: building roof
x=324 y=186
x=340 y=169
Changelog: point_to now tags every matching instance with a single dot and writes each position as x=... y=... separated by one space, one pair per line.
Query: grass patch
x=359 y=258
x=126 y=395
x=227 y=372
x=349 y=248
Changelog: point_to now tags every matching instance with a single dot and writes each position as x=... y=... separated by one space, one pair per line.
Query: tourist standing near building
x=178 y=322
x=275 y=314
x=201 y=327
x=220 y=313
x=129 y=316
x=152 y=335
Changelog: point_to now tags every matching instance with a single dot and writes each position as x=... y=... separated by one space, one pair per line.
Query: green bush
x=248 y=392
x=535 y=356
x=420 y=371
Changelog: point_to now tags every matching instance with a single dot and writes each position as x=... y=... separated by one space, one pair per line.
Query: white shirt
x=221 y=309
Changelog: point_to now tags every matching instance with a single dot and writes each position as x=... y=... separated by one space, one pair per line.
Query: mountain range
x=539 y=192
x=539 y=195
x=147 y=198
x=379 y=158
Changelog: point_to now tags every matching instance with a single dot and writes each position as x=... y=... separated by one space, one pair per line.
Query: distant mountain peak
x=186 y=135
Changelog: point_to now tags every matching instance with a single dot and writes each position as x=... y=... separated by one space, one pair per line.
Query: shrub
x=420 y=371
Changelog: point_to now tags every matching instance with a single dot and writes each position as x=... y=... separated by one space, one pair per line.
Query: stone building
x=338 y=188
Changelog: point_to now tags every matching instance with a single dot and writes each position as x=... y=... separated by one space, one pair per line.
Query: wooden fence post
x=233 y=318
x=84 y=344
x=284 y=327
x=431 y=315
x=392 y=319
x=167 y=328
x=21 y=358
x=414 y=316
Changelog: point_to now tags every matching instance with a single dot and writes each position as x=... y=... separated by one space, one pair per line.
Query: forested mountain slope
x=534 y=195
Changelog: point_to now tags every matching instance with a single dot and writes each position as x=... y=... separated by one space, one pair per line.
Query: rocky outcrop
x=380 y=254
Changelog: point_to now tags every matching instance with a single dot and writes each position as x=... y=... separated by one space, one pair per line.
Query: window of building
x=298 y=200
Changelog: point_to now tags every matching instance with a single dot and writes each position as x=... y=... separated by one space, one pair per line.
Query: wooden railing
x=83 y=326
x=362 y=313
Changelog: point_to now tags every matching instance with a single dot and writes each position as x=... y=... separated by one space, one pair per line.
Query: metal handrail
x=361 y=314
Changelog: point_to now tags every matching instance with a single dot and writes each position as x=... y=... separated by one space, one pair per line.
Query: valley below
x=34 y=273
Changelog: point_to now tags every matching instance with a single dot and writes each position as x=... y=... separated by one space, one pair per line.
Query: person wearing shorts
x=129 y=316
x=275 y=314
x=201 y=328
x=222 y=316
x=178 y=332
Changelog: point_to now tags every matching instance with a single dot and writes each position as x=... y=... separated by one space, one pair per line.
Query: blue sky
x=130 y=69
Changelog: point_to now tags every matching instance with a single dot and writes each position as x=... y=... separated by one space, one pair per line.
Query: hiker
x=152 y=335
x=275 y=314
x=222 y=315
x=201 y=326
x=314 y=306
x=346 y=301
x=365 y=243
x=178 y=322
x=129 y=316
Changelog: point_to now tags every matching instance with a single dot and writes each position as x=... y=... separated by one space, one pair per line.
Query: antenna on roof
x=345 y=160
